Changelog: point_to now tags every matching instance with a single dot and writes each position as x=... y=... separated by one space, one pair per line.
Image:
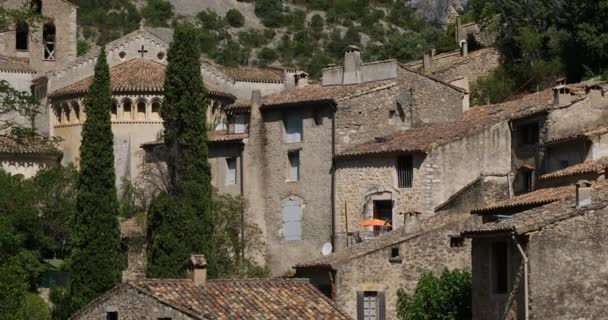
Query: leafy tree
x=185 y=225
x=267 y=56
x=106 y=20
x=235 y=18
x=96 y=257
x=316 y=26
x=446 y=297
x=270 y=12
x=158 y=13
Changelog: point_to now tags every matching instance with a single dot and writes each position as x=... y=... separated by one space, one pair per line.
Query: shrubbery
x=235 y=18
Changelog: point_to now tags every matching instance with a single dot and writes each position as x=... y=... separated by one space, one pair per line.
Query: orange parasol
x=375 y=223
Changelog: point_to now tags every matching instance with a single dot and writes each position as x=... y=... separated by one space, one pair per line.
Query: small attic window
x=456 y=242
x=395 y=255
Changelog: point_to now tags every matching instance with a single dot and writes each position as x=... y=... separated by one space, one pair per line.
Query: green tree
x=235 y=18
x=270 y=12
x=267 y=56
x=186 y=223
x=317 y=25
x=96 y=261
x=158 y=13
x=446 y=297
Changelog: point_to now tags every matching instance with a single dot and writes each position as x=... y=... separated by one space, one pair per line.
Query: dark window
x=165 y=318
x=528 y=134
x=500 y=267
x=112 y=315
x=383 y=210
x=405 y=172
x=294 y=166
x=22 y=34
x=36 y=6
x=48 y=38
x=456 y=242
x=529 y=180
x=395 y=252
x=318 y=117
x=563 y=164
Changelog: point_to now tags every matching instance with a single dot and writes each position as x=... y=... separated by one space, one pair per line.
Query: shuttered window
x=405 y=172
x=371 y=305
x=230 y=171
x=292 y=220
x=293 y=127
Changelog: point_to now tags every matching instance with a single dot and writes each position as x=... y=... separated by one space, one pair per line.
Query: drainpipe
x=333 y=176
x=526 y=289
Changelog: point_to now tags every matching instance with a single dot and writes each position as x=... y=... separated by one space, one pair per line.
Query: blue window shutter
x=292 y=218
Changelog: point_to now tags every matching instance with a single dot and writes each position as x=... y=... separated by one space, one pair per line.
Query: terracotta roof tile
x=537 y=218
x=238 y=107
x=590 y=166
x=255 y=74
x=475 y=119
x=244 y=299
x=534 y=198
x=319 y=93
x=14 y=65
x=224 y=136
x=11 y=145
x=134 y=75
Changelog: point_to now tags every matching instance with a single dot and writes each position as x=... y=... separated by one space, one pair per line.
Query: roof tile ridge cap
x=367 y=91
x=168 y=303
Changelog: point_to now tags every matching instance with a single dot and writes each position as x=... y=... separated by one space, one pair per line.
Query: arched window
x=114 y=111
x=127 y=110
x=36 y=6
x=141 y=110
x=76 y=108
x=22 y=36
x=155 y=110
x=48 y=38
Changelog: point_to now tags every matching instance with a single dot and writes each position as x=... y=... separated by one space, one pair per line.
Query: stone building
x=547 y=261
x=363 y=279
x=26 y=157
x=197 y=298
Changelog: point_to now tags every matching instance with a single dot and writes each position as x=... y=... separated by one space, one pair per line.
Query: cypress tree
x=181 y=222
x=96 y=258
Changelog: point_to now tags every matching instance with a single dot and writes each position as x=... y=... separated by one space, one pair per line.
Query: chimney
x=352 y=66
x=561 y=96
x=583 y=194
x=411 y=222
x=464 y=48
x=198 y=269
x=596 y=95
x=427 y=63
x=301 y=79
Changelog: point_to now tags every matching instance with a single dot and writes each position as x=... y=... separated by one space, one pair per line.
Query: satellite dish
x=326 y=249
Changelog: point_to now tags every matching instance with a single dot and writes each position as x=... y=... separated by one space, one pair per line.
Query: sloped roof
x=255 y=74
x=540 y=217
x=320 y=94
x=433 y=224
x=34 y=146
x=14 y=65
x=138 y=74
x=534 y=198
x=585 y=132
x=475 y=119
x=224 y=136
x=591 y=166
x=243 y=299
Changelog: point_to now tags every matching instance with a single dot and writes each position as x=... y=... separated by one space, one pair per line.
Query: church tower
x=43 y=45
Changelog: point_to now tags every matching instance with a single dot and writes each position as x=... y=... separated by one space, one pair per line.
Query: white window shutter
x=292 y=218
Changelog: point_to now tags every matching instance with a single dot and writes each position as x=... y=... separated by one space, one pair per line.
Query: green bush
x=235 y=18
x=270 y=12
x=158 y=13
x=447 y=297
x=267 y=56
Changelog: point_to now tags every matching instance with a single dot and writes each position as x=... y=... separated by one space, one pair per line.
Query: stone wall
x=483 y=191
x=573 y=119
x=63 y=15
x=218 y=153
x=565 y=154
x=313 y=188
x=420 y=252
x=487 y=304
x=568 y=275
x=130 y=305
x=477 y=64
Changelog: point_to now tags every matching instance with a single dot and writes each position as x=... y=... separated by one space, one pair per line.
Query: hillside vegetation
x=307 y=34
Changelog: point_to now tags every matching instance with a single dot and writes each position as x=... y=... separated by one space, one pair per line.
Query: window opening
x=114 y=110
x=22 y=35
x=383 y=210
x=371 y=305
x=294 y=166
x=126 y=110
x=292 y=220
x=48 y=38
x=112 y=315
x=500 y=267
x=456 y=242
x=230 y=171
x=156 y=110
x=141 y=110
x=405 y=172
x=293 y=127
x=36 y=6
x=528 y=134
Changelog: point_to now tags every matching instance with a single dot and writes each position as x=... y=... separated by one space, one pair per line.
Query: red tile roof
x=244 y=299
x=255 y=74
x=14 y=65
x=548 y=214
x=224 y=136
x=534 y=198
x=34 y=146
x=475 y=119
x=138 y=74
x=321 y=94
x=591 y=166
